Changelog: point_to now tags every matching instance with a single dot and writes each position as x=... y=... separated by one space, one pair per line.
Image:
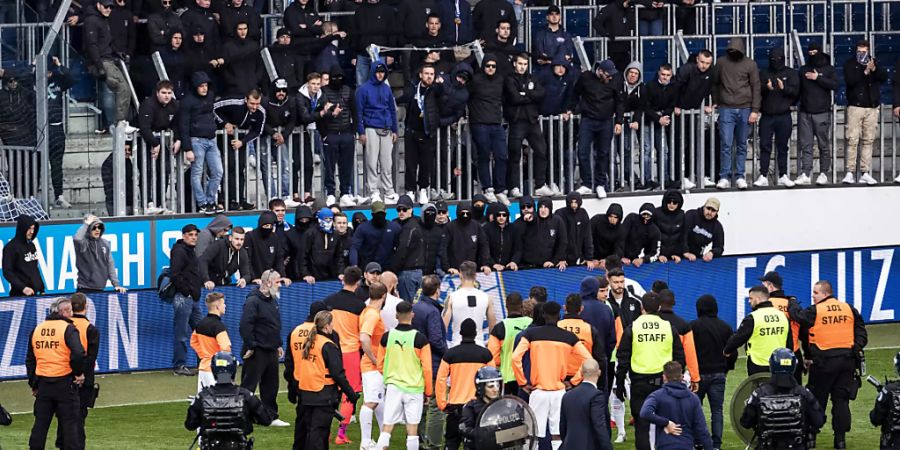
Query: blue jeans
x=205 y=151
x=713 y=385
x=598 y=133
x=187 y=316
x=363 y=66
x=650 y=27
x=733 y=132
x=490 y=140
x=106 y=100
x=281 y=155
x=408 y=284
x=338 y=149
x=662 y=146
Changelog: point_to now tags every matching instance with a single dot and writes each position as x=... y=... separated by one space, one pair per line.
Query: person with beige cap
x=704 y=236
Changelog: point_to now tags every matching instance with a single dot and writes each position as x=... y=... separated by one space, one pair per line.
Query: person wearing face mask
x=295 y=241
x=358 y=219
x=864 y=76
x=466 y=241
x=641 y=237
x=659 y=111
x=608 y=234
x=818 y=80
x=335 y=114
x=374 y=241
x=322 y=256
x=434 y=242
x=542 y=238
x=781 y=87
x=266 y=252
x=502 y=240
x=669 y=218
x=580 y=248
x=409 y=253
x=486 y=116
x=479 y=202
x=737 y=95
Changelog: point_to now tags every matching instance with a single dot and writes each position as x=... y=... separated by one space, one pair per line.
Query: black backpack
x=165 y=286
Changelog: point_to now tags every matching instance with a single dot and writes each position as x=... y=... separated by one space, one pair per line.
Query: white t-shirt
x=389 y=312
x=468 y=303
x=635 y=288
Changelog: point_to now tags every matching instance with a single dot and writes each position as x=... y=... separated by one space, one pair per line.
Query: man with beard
x=236 y=114
x=374 y=240
x=580 y=245
x=422 y=121
x=466 y=241
x=295 y=242
x=542 y=238
x=669 y=218
x=485 y=116
x=523 y=96
x=266 y=252
x=737 y=96
x=223 y=259
x=781 y=87
x=817 y=81
x=409 y=254
x=242 y=70
x=434 y=242
x=608 y=234
x=641 y=237
x=287 y=63
x=281 y=118
x=502 y=240
x=694 y=82
x=599 y=95
x=20 y=260
x=322 y=255
x=704 y=236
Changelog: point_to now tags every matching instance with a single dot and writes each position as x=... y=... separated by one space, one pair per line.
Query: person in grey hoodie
x=93 y=258
x=215 y=230
x=736 y=92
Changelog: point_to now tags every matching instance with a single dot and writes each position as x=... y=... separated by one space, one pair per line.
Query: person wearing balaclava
x=373 y=241
x=736 y=94
x=580 y=245
x=322 y=254
x=263 y=246
x=864 y=75
x=466 y=241
x=669 y=218
x=608 y=234
x=502 y=240
x=641 y=236
x=479 y=202
x=486 y=116
x=434 y=242
x=542 y=237
x=660 y=101
x=818 y=80
x=358 y=219
x=780 y=90
x=334 y=115
x=294 y=241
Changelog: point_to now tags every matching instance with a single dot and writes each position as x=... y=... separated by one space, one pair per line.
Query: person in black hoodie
x=157 y=114
x=659 y=109
x=442 y=60
x=434 y=242
x=373 y=23
x=242 y=70
x=185 y=275
x=545 y=236
x=608 y=234
x=466 y=241
x=501 y=44
x=20 y=259
x=200 y=54
x=281 y=118
x=710 y=336
x=173 y=57
x=322 y=255
x=334 y=120
x=409 y=252
x=161 y=24
x=704 y=236
x=223 y=259
x=260 y=330
x=266 y=252
x=485 y=116
x=864 y=76
x=101 y=61
x=238 y=11
x=669 y=218
x=642 y=237
x=302 y=21
x=780 y=90
x=375 y=240
x=288 y=64
x=523 y=96
x=295 y=243
x=421 y=99
x=197 y=127
x=502 y=240
x=479 y=202
x=616 y=20
x=487 y=14
x=199 y=16
x=580 y=248
x=694 y=82
x=817 y=81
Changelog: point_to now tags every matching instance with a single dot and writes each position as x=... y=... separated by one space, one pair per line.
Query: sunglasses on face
x=672 y=202
x=490 y=66
x=443 y=213
x=402 y=209
x=711 y=209
x=528 y=207
x=502 y=214
x=464 y=214
x=96 y=228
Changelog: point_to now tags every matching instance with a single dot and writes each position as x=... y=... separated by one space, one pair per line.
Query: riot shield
x=507 y=423
x=739 y=399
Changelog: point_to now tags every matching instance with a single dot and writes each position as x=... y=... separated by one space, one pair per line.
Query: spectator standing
x=322 y=254
x=266 y=252
x=201 y=55
x=302 y=20
x=669 y=218
x=197 y=126
x=409 y=253
x=235 y=115
x=598 y=95
x=101 y=61
x=659 y=109
x=634 y=93
x=780 y=90
x=427 y=321
x=288 y=64
x=200 y=17
x=501 y=44
x=224 y=259
x=710 y=336
x=93 y=258
x=490 y=12
x=159 y=114
x=59 y=80
x=642 y=237
x=523 y=96
x=374 y=22
x=376 y=126
x=864 y=77
x=549 y=231
x=122 y=28
x=374 y=241
x=502 y=240
x=217 y=229
x=442 y=60
x=422 y=102
x=558 y=81
x=468 y=302
x=485 y=116
x=818 y=80
x=20 y=259
x=308 y=113
x=161 y=24
x=676 y=412
x=281 y=118
x=650 y=18
x=583 y=415
x=260 y=330
x=234 y=13
x=335 y=123
x=173 y=57
x=457 y=14
x=608 y=234
x=704 y=236
x=694 y=82
x=434 y=242
x=466 y=241
x=616 y=20
x=185 y=275
x=552 y=43
x=737 y=96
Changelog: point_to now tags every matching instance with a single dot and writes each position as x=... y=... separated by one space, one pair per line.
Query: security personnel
x=488 y=388
x=210 y=337
x=886 y=412
x=784 y=414
x=458 y=367
x=317 y=371
x=763 y=330
x=667 y=312
x=836 y=334
x=773 y=282
x=55 y=367
x=225 y=412
x=503 y=339
x=90 y=340
x=646 y=346
x=586 y=333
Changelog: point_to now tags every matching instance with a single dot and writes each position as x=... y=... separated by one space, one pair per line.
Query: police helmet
x=224 y=367
x=486 y=375
x=782 y=362
x=897 y=363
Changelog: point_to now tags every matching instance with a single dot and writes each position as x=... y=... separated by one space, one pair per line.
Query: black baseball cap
x=553 y=9
x=772 y=277
x=188 y=228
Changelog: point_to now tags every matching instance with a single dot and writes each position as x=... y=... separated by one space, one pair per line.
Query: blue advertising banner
x=136 y=328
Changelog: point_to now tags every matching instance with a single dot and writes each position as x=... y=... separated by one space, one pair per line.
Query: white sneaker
x=803 y=180
x=620 y=439
x=360 y=200
x=129 y=129
x=316 y=158
x=375 y=197
x=762 y=181
x=445 y=195
x=346 y=201
x=723 y=183
x=502 y=198
x=687 y=184
x=785 y=181
x=489 y=195
x=367 y=445
x=423 y=196
x=411 y=195
x=391 y=199
x=866 y=178
x=515 y=193
x=822 y=179
x=330 y=200
x=584 y=190
x=555 y=188
x=849 y=179
x=290 y=203
x=601 y=192
x=742 y=183
x=707 y=183
x=544 y=191
x=896 y=180
x=153 y=210
x=251 y=159
x=61 y=202
x=279 y=423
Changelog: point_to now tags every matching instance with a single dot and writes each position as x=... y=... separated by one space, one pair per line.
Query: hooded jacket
x=557 y=89
x=693 y=86
x=243 y=68
x=641 y=237
x=185 y=269
x=815 y=95
x=195 y=114
x=295 y=244
x=93 y=259
x=427 y=118
x=220 y=261
x=375 y=106
x=455 y=96
x=412 y=16
x=122 y=29
x=608 y=239
x=661 y=100
x=635 y=95
x=197 y=56
x=778 y=100
x=546 y=238
x=301 y=20
x=374 y=23
x=97 y=43
x=409 y=249
x=598 y=100
x=737 y=82
x=288 y=64
x=863 y=90
x=710 y=336
x=523 y=95
x=699 y=233
x=155 y=117
x=674 y=402
x=160 y=26
x=336 y=94
x=486 y=95
x=374 y=243
x=20 y=259
x=580 y=246
x=671 y=225
x=599 y=314
x=466 y=241
x=434 y=242
x=322 y=256
x=502 y=241
x=615 y=20
x=208 y=235
x=230 y=16
x=265 y=249
x=279 y=114
x=487 y=13
x=200 y=18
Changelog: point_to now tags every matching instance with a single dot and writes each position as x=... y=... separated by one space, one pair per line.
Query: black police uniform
x=887 y=414
x=225 y=414
x=784 y=415
x=467 y=423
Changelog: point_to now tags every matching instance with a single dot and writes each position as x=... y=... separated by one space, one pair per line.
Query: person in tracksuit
x=376 y=128
x=235 y=115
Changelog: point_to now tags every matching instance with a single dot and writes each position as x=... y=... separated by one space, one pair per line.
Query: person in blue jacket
x=427 y=320
x=374 y=240
x=558 y=80
x=677 y=413
x=376 y=128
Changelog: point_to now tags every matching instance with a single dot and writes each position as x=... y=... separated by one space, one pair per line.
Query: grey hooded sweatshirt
x=93 y=259
x=736 y=83
x=208 y=235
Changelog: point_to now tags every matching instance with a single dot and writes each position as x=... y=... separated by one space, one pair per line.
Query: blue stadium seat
x=578 y=22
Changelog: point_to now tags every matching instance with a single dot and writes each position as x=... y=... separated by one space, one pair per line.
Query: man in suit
x=582 y=416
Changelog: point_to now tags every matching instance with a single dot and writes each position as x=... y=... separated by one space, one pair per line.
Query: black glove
x=5 y=418
x=352 y=398
x=619 y=392
x=292 y=396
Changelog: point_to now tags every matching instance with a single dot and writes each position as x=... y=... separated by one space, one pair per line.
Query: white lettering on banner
x=813 y=271
x=885 y=255
x=129 y=258
x=168 y=240
x=113 y=248
x=46 y=260
x=857 y=281
x=742 y=289
x=117 y=327
x=774 y=263
x=67 y=271
x=842 y=276
x=17 y=307
x=42 y=308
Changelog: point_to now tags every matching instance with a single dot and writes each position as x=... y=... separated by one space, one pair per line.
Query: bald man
x=582 y=416
x=389 y=310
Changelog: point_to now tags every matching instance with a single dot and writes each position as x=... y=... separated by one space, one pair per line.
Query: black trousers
x=640 y=390
x=85 y=396
x=777 y=126
x=236 y=187
x=58 y=398
x=754 y=369
x=312 y=427
x=419 y=156
x=262 y=370
x=519 y=131
x=156 y=188
x=692 y=141
x=452 y=437
x=833 y=377
x=57 y=144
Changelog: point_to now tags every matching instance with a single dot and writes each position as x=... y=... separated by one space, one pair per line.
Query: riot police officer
x=488 y=388
x=784 y=414
x=225 y=412
x=887 y=412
